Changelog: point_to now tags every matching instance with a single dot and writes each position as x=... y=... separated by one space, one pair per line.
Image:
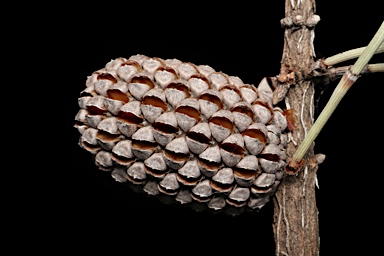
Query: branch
x=346 y=81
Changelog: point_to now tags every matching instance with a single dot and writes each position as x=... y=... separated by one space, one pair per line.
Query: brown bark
x=296 y=226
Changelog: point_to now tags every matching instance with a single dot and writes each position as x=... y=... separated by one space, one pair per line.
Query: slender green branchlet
x=348 y=55
x=374 y=68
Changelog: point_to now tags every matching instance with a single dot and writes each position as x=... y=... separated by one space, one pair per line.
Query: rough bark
x=296 y=226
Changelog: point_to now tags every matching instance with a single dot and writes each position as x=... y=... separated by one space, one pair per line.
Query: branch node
x=293 y=167
x=312 y=21
x=320 y=158
x=298 y=21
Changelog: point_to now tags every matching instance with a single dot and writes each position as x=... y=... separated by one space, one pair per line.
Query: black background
x=85 y=210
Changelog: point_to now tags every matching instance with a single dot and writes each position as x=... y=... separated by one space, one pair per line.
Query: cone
x=175 y=129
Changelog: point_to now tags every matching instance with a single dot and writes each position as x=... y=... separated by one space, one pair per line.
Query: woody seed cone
x=184 y=133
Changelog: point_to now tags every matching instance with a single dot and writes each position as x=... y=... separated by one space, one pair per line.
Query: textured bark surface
x=295 y=224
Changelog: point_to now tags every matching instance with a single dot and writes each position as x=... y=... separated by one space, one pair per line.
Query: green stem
x=374 y=68
x=348 y=55
x=346 y=81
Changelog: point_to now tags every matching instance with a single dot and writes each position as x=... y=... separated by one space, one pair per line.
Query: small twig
x=320 y=68
x=346 y=81
x=370 y=68
x=331 y=74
